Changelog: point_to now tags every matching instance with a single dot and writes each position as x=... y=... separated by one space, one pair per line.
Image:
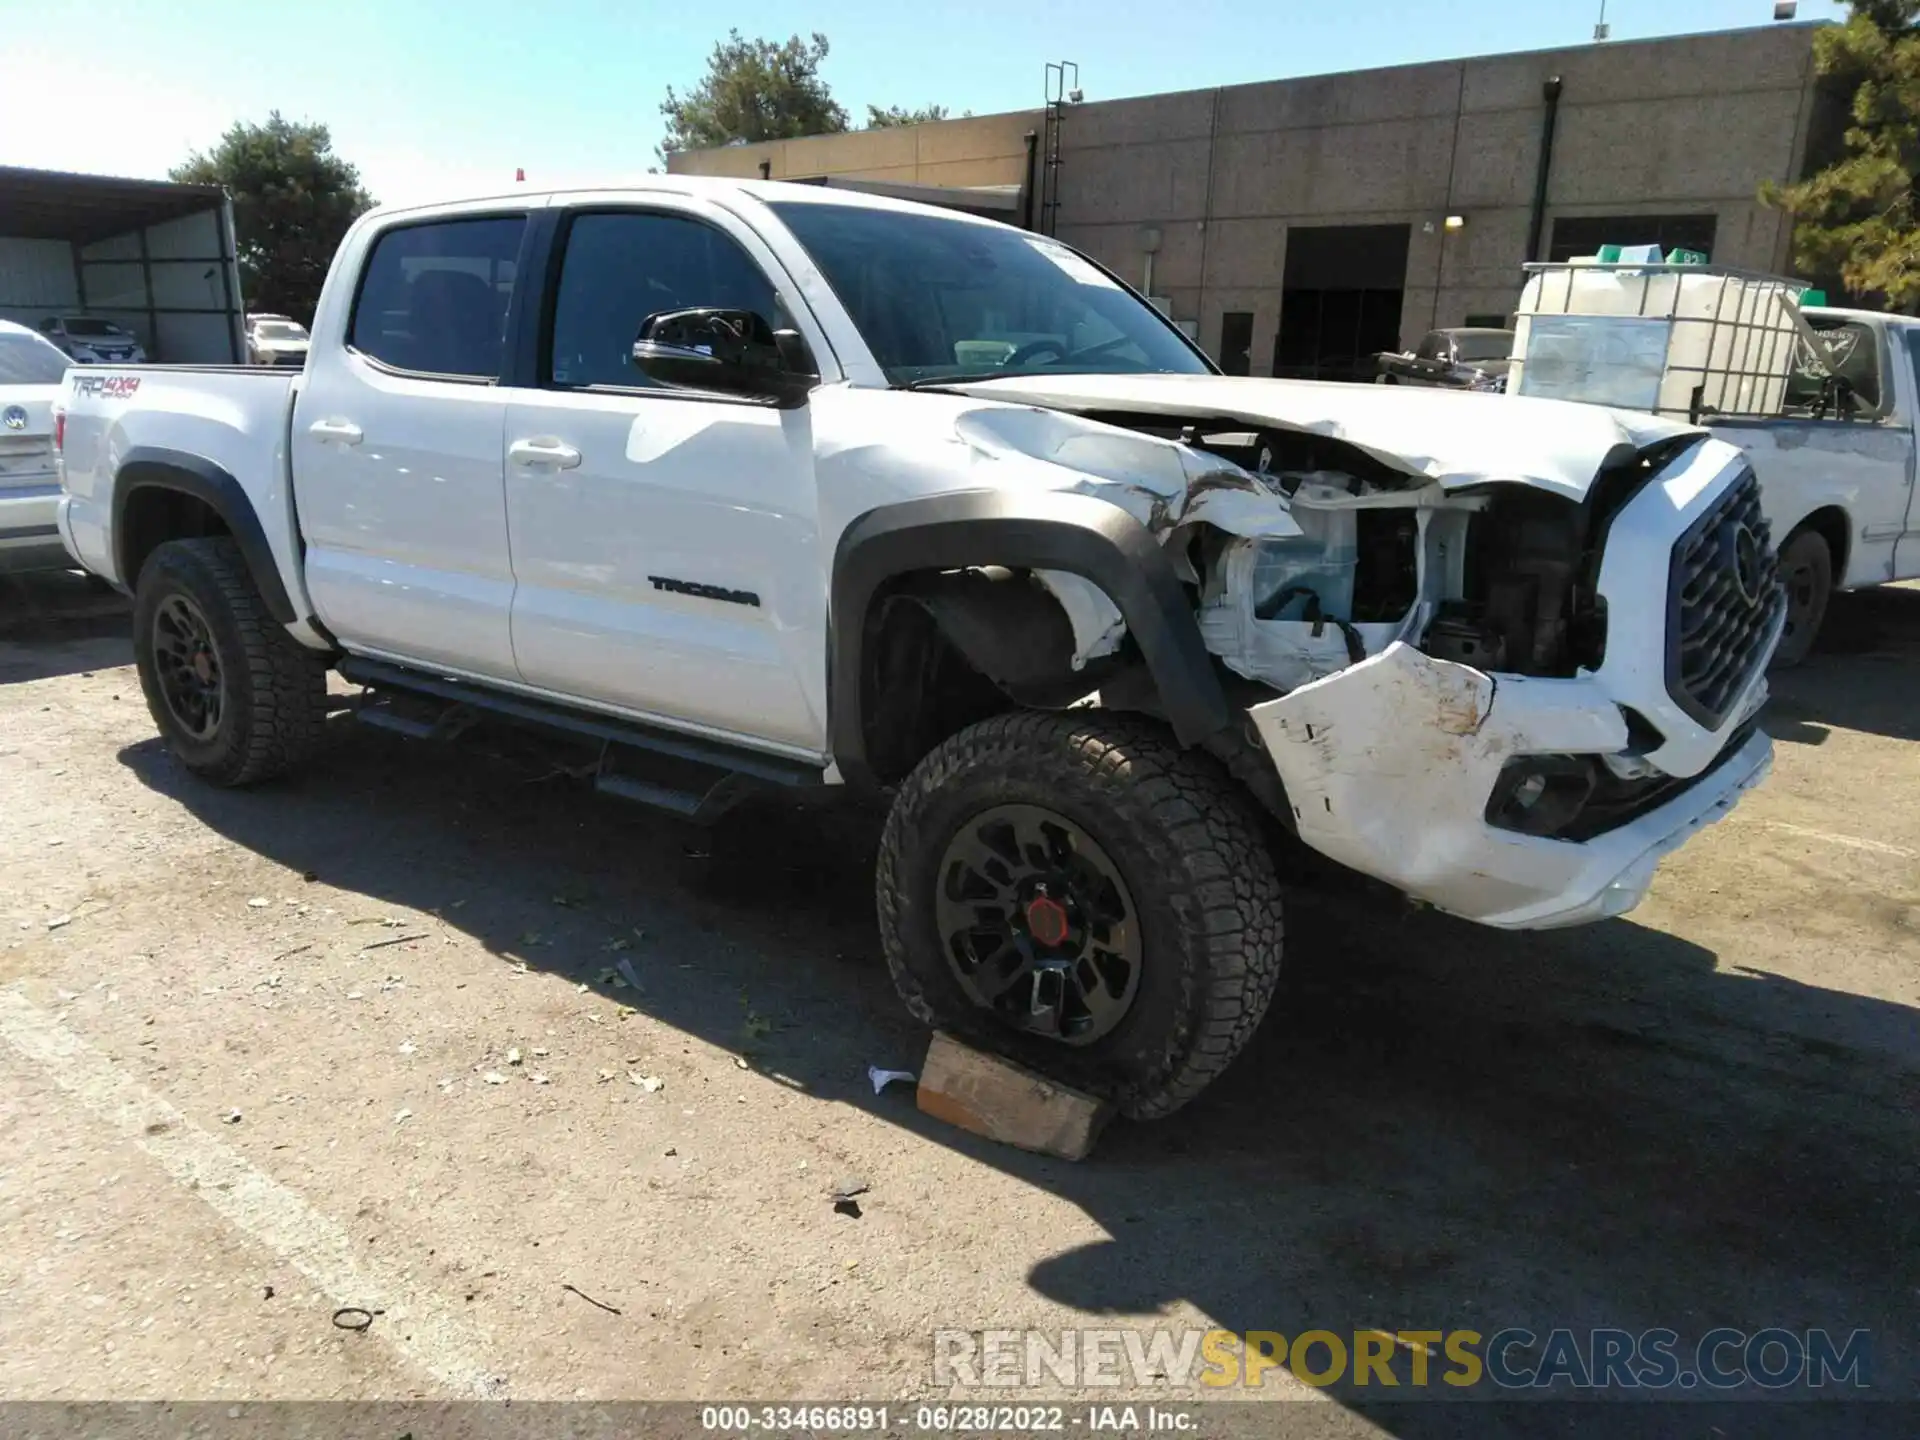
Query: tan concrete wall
x=975 y=150
x=1689 y=125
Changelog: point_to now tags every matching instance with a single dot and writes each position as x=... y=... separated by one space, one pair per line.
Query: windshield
x=29 y=360
x=81 y=325
x=1493 y=345
x=934 y=297
x=280 y=330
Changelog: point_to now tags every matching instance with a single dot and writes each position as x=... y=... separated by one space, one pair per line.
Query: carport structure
x=153 y=256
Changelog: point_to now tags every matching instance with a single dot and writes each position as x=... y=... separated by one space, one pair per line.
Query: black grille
x=1724 y=601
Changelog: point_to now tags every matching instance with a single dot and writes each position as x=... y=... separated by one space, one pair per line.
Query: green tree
x=754 y=90
x=1857 y=219
x=293 y=199
x=893 y=115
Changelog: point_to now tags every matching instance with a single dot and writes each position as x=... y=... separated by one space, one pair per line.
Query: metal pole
x=226 y=284
x=1032 y=179
x=236 y=304
x=146 y=278
x=79 y=275
x=1550 y=93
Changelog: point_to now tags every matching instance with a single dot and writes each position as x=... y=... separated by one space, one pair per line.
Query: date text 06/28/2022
x=954 y=1419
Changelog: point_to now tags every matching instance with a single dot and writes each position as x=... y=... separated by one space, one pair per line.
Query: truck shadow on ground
x=1438 y=1127
x=59 y=623
x=1864 y=673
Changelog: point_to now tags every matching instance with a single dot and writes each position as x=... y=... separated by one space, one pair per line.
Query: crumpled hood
x=1453 y=437
x=1159 y=482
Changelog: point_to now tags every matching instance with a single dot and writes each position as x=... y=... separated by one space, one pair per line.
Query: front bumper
x=1389 y=764
x=29 y=529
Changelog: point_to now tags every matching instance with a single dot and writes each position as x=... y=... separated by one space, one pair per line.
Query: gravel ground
x=365 y=1038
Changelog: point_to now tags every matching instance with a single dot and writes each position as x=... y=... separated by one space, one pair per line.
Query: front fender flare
x=1049 y=530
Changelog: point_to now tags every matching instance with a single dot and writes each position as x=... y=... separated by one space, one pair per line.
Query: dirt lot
x=1701 y=1115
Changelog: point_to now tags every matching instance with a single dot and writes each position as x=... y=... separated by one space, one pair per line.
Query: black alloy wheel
x=188 y=667
x=1037 y=924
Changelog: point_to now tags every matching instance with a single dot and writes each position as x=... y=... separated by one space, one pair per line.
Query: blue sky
x=444 y=98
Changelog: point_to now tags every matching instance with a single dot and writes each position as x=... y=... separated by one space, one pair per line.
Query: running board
x=400 y=724
x=685 y=775
x=702 y=807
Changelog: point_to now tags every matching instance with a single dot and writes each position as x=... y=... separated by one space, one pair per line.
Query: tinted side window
x=621 y=268
x=1432 y=345
x=434 y=297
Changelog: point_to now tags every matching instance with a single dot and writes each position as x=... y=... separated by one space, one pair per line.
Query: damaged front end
x=1471 y=680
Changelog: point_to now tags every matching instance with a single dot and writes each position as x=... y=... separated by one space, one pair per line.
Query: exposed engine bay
x=1500 y=579
x=1308 y=554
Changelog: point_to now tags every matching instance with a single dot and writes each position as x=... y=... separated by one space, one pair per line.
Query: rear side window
x=434 y=297
x=620 y=268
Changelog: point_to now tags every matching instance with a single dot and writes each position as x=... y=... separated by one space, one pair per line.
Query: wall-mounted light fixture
x=1455 y=222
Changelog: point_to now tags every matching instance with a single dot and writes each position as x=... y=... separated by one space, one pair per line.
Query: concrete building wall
x=1223 y=175
x=976 y=150
x=1684 y=126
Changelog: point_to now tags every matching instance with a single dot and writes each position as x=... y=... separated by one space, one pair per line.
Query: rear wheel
x=235 y=697
x=1076 y=891
x=1806 y=569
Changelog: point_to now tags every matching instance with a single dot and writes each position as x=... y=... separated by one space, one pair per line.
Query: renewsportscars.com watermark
x=1509 y=1359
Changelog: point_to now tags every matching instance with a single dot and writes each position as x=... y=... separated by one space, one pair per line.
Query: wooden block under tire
x=1008 y=1102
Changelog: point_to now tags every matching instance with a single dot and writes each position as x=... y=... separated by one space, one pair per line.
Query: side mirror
x=731 y=352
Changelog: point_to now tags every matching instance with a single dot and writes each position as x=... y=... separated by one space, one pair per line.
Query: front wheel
x=235 y=697
x=1806 y=569
x=1078 y=892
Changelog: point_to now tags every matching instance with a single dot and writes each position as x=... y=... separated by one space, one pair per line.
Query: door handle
x=345 y=431
x=543 y=454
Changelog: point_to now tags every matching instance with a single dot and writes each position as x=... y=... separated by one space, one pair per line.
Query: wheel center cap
x=1047 y=920
x=203 y=667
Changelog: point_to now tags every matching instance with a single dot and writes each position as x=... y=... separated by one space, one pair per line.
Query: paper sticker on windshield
x=1072 y=266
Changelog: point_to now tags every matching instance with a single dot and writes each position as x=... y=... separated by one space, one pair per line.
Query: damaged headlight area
x=1576 y=797
x=1541 y=794
x=1288 y=610
x=1310 y=554
x=1307 y=554
x=1502 y=579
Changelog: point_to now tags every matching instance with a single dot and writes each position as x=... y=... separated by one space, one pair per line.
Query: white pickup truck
x=763 y=485
x=1837 y=470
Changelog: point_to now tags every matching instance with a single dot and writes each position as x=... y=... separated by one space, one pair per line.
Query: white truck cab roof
x=704 y=187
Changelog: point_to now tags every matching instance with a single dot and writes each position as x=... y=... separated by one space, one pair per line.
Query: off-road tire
x=275 y=709
x=1188 y=844
x=1806 y=568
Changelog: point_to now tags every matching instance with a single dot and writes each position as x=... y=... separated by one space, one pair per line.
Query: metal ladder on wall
x=1063 y=89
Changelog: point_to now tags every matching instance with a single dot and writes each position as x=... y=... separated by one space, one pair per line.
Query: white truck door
x=396 y=449
x=1861 y=466
x=1906 y=551
x=666 y=546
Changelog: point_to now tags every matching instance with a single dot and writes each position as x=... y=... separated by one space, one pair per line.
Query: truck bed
x=226 y=423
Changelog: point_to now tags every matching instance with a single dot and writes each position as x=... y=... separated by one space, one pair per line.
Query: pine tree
x=1857 y=218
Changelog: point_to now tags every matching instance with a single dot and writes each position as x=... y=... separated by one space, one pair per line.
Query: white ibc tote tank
x=1725 y=334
